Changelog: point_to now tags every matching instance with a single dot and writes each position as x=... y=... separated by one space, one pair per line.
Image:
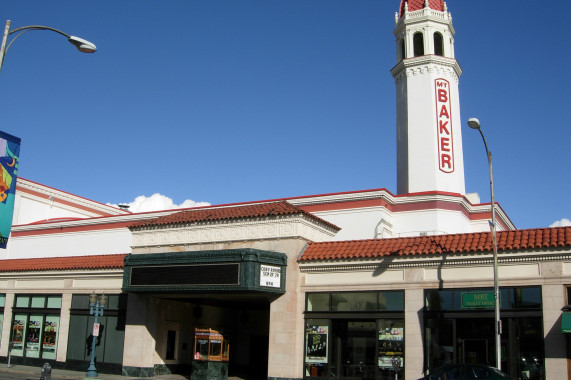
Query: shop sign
x=444 y=126
x=270 y=276
x=478 y=300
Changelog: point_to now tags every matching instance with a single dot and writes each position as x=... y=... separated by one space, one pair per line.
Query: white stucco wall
x=95 y=242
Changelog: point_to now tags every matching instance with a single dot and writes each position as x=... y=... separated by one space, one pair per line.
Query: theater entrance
x=173 y=296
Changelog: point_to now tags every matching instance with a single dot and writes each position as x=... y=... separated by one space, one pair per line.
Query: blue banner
x=9 y=157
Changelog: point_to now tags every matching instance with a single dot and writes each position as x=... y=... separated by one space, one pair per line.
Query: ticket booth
x=211 y=353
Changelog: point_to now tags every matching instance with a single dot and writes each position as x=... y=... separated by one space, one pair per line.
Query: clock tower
x=429 y=138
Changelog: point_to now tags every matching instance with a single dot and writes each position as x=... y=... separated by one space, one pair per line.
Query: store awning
x=566 y=322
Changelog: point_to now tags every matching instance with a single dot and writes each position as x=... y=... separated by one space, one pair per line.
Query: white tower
x=429 y=138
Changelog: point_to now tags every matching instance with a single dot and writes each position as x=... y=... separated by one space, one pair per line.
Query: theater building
x=353 y=285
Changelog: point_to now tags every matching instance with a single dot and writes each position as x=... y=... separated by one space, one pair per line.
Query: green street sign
x=478 y=300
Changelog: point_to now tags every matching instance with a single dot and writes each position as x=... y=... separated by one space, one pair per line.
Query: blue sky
x=226 y=101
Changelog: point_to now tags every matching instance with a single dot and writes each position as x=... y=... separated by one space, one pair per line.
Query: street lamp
x=475 y=124
x=82 y=45
x=96 y=305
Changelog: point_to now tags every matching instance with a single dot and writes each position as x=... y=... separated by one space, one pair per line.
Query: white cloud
x=158 y=202
x=561 y=223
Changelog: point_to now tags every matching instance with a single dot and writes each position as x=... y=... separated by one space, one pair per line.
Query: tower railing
x=427 y=12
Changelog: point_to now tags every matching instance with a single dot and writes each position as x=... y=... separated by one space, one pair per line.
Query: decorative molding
x=66 y=200
x=427 y=64
x=298 y=226
x=484 y=261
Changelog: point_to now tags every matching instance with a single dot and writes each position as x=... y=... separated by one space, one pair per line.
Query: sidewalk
x=61 y=374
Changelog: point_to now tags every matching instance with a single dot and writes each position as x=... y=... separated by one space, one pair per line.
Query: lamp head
x=82 y=45
x=103 y=300
x=474 y=123
x=92 y=299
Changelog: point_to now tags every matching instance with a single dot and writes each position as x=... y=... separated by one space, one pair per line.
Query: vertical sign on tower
x=444 y=126
x=9 y=157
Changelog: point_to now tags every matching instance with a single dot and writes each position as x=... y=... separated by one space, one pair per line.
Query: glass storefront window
x=347 y=301
x=54 y=302
x=22 y=301
x=2 y=300
x=109 y=346
x=38 y=301
x=34 y=334
x=318 y=302
x=355 y=348
x=392 y=300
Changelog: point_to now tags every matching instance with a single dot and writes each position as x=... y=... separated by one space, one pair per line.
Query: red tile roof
x=63 y=263
x=416 y=5
x=260 y=210
x=540 y=238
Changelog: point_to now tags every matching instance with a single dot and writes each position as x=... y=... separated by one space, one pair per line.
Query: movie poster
x=9 y=157
x=18 y=334
x=391 y=348
x=33 y=336
x=49 y=340
x=316 y=344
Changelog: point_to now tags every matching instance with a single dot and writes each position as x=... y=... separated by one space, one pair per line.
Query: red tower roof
x=416 y=5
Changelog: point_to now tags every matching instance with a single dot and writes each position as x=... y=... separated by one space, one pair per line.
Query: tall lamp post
x=82 y=45
x=475 y=124
x=96 y=305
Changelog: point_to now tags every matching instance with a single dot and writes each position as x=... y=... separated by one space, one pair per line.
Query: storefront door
x=354 y=344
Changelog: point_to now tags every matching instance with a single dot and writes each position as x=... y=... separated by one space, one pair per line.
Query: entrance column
x=6 y=332
x=413 y=324
x=139 y=351
x=553 y=301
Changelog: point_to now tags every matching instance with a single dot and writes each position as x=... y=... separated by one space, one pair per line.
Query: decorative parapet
x=297 y=226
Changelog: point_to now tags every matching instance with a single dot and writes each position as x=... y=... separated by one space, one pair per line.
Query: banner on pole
x=9 y=157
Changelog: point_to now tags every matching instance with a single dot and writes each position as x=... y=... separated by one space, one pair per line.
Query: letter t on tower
x=429 y=137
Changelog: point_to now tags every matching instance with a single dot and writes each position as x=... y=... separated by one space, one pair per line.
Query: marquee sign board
x=234 y=271
x=270 y=276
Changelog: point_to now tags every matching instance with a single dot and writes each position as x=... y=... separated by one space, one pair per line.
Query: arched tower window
x=402 y=50
x=438 y=44
x=418 y=42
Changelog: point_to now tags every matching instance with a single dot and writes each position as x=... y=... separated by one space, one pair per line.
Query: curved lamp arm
x=82 y=45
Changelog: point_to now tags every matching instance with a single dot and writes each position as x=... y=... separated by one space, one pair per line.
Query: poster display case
x=391 y=348
x=316 y=347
